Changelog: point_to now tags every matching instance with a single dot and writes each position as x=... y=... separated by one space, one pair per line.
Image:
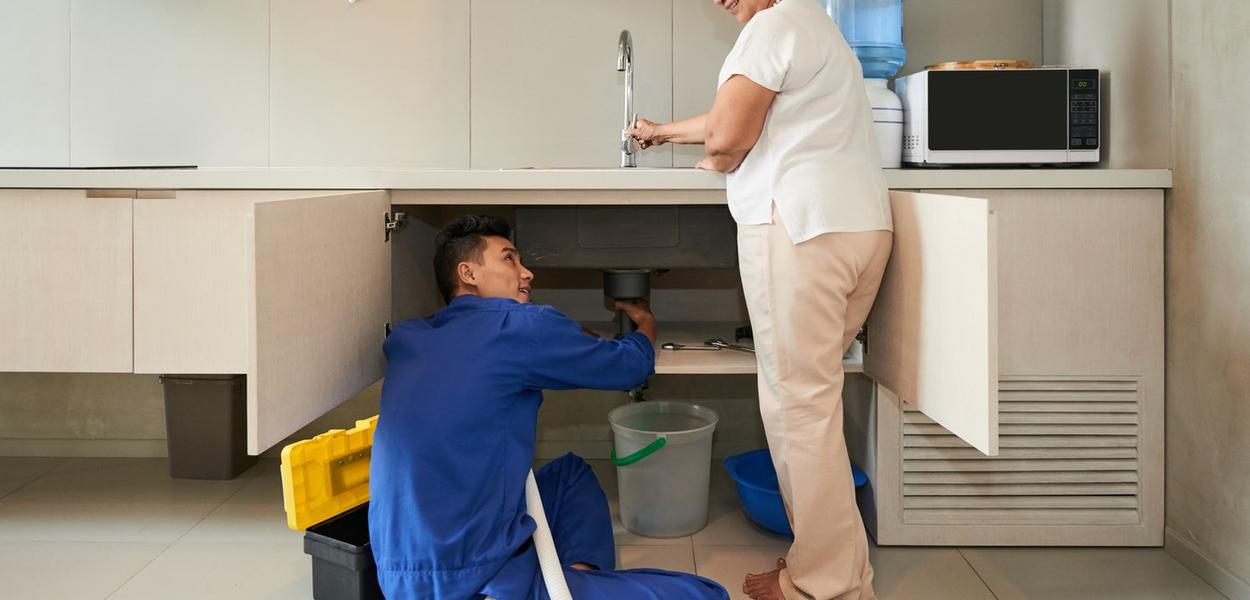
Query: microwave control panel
x=1083 y=106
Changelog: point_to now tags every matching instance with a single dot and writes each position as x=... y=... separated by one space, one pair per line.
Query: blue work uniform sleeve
x=563 y=357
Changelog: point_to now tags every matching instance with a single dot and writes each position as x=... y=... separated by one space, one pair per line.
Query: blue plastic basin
x=758 y=492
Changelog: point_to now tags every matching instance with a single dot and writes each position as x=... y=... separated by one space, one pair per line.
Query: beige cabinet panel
x=168 y=82
x=1079 y=390
x=65 y=281
x=1081 y=284
x=380 y=83
x=545 y=87
x=703 y=34
x=191 y=275
x=291 y=288
x=933 y=332
x=34 y=88
x=321 y=277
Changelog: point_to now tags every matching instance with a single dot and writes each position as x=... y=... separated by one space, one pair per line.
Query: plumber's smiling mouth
x=732 y=5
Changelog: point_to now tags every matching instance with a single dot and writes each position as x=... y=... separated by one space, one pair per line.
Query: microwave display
x=998 y=110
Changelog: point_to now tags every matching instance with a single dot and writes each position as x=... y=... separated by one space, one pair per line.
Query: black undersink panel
x=627 y=237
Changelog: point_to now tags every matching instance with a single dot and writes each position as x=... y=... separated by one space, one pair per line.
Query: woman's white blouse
x=817 y=155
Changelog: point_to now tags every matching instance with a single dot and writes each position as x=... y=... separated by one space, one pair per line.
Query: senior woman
x=792 y=127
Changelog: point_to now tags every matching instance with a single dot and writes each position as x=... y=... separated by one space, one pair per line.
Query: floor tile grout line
x=171 y=544
x=210 y=513
x=976 y=572
x=140 y=570
x=694 y=559
x=33 y=480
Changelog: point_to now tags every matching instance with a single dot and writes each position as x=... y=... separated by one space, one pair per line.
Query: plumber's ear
x=464 y=271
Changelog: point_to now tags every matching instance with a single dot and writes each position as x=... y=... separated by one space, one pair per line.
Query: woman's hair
x=460 y=241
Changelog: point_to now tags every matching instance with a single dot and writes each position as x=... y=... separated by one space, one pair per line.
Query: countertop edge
x=641 y=179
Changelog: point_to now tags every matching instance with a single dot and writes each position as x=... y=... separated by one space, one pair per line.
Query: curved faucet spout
x=625 y=62
x=624 y=51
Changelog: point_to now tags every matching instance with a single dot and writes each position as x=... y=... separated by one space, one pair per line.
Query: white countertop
x=648 y=179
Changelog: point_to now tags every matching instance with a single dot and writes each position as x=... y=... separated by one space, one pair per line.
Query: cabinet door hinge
x=394 y=222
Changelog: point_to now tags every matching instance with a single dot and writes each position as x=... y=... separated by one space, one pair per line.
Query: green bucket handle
x=646 y=451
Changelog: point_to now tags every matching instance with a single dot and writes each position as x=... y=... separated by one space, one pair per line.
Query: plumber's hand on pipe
x=640 y=314
x=647 y=133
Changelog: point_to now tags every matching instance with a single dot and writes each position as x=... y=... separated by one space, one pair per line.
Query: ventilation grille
x=1068 y=455
x=911 y=147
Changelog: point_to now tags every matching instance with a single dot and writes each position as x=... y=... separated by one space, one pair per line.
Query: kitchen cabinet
x=292 y=289
x=1011 y=392
x=168 y=82
x=1079 y=387
x=34 y=92
x=65 y=280
x=383 y=83
x=933 y=330
x=193 y=256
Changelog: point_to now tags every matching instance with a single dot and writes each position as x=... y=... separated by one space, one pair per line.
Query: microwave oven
x=1045 y=116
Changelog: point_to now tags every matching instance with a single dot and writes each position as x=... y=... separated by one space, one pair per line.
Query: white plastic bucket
x=663 y=457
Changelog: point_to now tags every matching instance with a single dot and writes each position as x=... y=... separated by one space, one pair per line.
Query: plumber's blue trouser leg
x=581 y=525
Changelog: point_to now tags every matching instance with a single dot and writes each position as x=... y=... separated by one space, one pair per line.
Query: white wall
x=1127 y=39
x=941 y=30
x=388 y=83
x=168 y=82
x=56 y=414
x=703 y=34
x=381 y=83
x=1208 y=315
x=34 y=83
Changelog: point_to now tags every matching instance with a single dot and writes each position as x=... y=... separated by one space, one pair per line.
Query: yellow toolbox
x=325 y=492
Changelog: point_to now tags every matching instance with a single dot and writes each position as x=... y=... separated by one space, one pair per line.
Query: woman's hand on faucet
x=647 y=133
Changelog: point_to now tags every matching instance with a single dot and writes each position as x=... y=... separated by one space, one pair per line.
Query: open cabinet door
x=933 y=332
x=322 y=297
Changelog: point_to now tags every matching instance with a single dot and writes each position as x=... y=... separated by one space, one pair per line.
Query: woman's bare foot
x=765 y=586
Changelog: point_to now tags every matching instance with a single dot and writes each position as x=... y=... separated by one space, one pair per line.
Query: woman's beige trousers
x=806 y=303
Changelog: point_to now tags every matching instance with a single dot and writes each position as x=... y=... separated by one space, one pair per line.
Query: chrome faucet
x=625 y=62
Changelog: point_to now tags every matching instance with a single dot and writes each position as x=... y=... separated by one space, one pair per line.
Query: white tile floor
x=122 y=529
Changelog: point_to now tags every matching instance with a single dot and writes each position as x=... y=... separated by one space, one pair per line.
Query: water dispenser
x=874 y=30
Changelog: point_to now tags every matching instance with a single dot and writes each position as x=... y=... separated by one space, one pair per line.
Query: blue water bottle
x=874 y=31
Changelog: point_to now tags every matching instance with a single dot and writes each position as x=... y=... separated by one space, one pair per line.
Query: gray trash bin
x=206 y=426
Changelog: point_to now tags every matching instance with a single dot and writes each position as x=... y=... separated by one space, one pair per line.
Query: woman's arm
x=734 y=123
x=650 y=133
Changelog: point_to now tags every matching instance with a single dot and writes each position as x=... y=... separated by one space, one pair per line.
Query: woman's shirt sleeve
x=764 y=52
x=563 y=357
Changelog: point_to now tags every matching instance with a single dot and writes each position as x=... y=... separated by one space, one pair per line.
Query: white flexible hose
x=548 y=560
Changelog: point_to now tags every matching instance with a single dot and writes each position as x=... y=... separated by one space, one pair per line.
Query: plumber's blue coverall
x=455 y=442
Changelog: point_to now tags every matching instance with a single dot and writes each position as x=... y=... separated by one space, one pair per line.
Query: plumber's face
x=744 y=10
x=499 y=274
